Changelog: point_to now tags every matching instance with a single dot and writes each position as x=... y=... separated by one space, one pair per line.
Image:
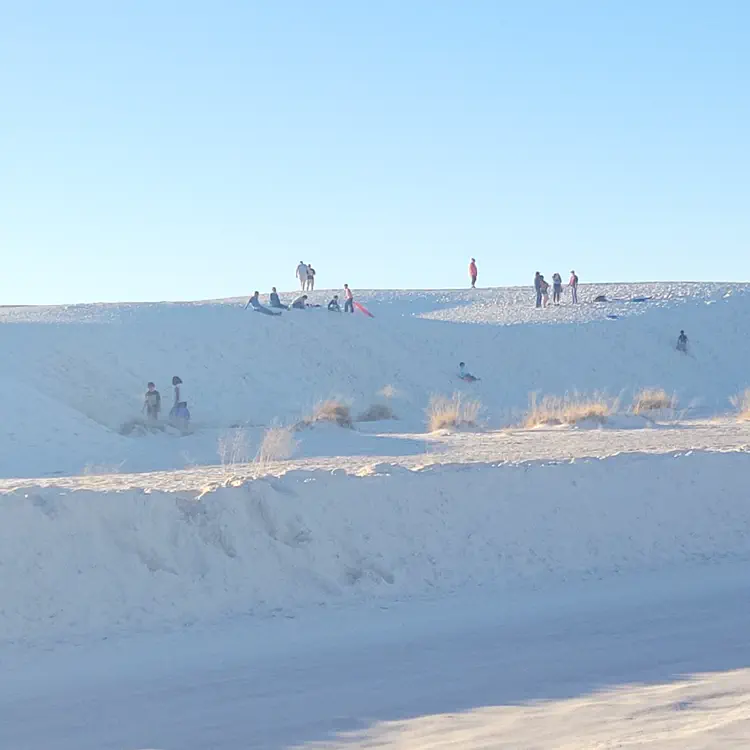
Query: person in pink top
x=573 y=284
x=473 y=273
x=349 y=303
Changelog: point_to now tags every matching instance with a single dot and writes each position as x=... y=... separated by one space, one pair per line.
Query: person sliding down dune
x=254 y=302
x=275 y=302
x=682 y=342
x=467 y=377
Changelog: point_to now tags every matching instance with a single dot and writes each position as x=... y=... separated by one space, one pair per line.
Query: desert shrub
x=332 y=410
x=452 y=412
x=278 y=444
x=376 y=413
x=233 y=448
x=569 y=409
x=652 y=399
x=741 y=403
x=97 y=470
x=388 y=392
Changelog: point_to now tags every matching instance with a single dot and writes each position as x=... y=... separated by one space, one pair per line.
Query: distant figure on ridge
x=349 y=299
x=464 y=375
x=573 y=284
x=473 y=273
x=556 y=288
x=538 y=288
x=302 y=274
x=152 y=403
x=333 y=305
x=275 y=301
x=310 y=278
x=682 y=342
x=544 y=288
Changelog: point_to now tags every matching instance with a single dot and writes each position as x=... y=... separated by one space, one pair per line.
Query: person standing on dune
x=573 y=284
x=152 y=403
x=473 y=273
x=556 y=288
x=179 y=414
x=544 y=289
x=538 y=288
x=302 y=274
x=348 y=299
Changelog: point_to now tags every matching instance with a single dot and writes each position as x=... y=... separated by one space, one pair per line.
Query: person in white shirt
x=302 y=274
x=179 y=413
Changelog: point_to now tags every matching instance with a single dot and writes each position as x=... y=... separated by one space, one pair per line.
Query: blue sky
x=165 y=150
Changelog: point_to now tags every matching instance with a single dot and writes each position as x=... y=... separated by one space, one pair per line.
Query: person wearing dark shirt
x=152 y=403
x=556 y=288
x=682 y=342
x=275 y=302
x=538 y=288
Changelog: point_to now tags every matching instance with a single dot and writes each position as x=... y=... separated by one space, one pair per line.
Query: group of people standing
x=541 y=287
x=179 y=415
x=306 y=276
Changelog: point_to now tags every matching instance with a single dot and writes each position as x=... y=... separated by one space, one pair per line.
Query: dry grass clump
x=233 y=448
x=278 y=444
x=741 y=403
x=452 y=412
x=376 y=413
x=571 y=408
x=388 y=392
x=332 y=410
x=652 y=399
x=98 y=470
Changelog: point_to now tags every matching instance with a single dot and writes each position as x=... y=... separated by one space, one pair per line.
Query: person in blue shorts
x=179 y=414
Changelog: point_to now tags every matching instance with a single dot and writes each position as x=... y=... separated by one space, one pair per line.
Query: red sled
x=364 y=310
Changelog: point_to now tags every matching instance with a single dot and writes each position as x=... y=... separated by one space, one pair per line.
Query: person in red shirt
x=348 y=299
x=573 y=284
x=473 y=273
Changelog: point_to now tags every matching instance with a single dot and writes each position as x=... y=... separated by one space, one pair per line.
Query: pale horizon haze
x=181 y=151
